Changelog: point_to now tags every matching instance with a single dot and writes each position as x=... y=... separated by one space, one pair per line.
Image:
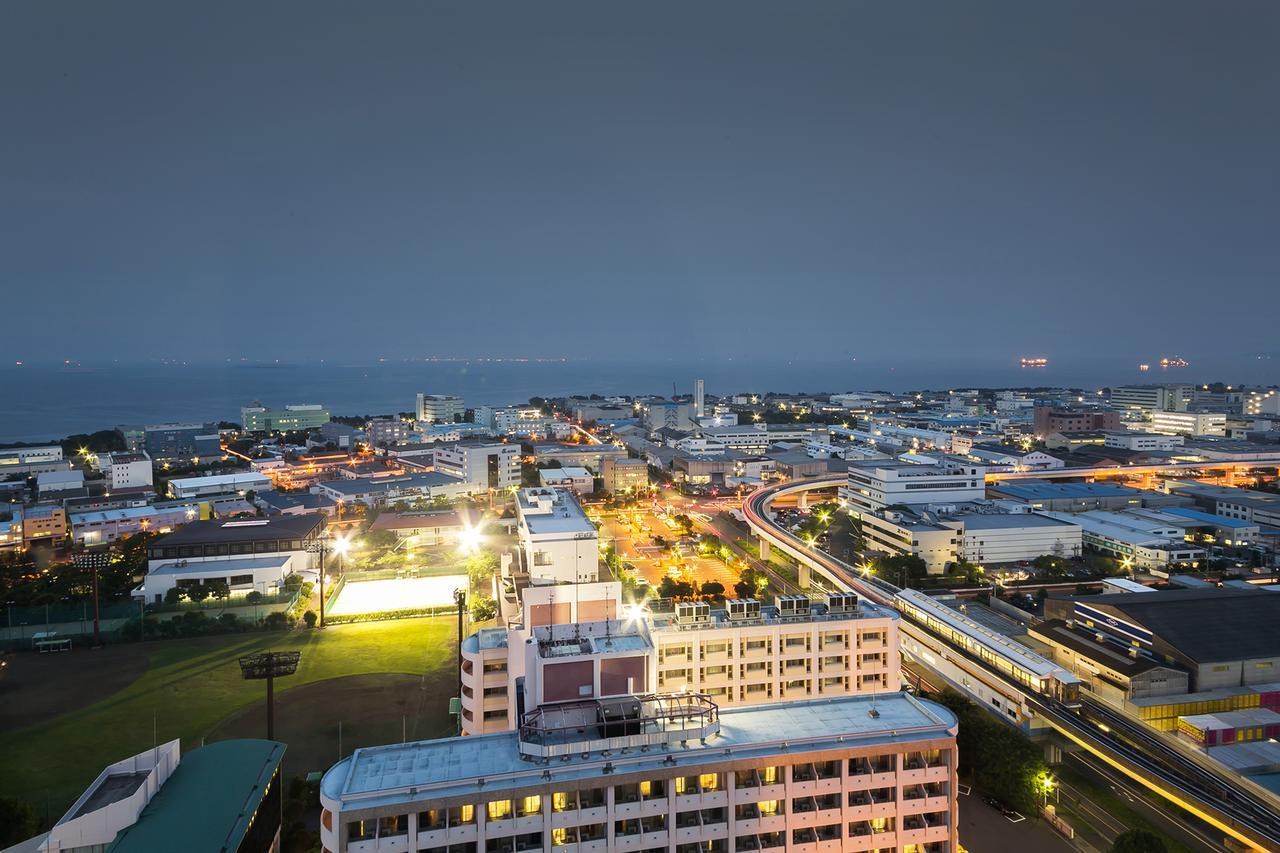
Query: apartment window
x=360 y=830
x=827 y=769
x=562 y=836
x=462 y=815
x=708 y=782
x=769 y=808
x=431 y=819
x=498 y=809
x=771 y=775
x=530 y=806
x=491 y=716
x=652 y=789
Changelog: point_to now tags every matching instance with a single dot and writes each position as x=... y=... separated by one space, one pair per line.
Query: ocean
x=40 y=402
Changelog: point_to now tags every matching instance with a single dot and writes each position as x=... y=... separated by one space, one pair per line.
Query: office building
x=1262 y=403
x=99 y=527
x=577 y=480
x=292 y=418
x=1079 y=497
x=1148 y=543
x=661 y=771
x=222 y=797
x=874 y=485
x=387 y=432
x=557 y=541
x=1046 y=420
x=31 y=460
x=400 y=489
x=1145 y=441
x=214 y=540
x=1151 y=398
x=589 y=456
x=620 y=474
x=218 y=484
x=483 y=465
x=670 y=415
x=1188 y=423
x=439 y=408
x=178 y=442
x=24 y=527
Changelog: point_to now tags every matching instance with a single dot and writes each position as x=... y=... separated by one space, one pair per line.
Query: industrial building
x=875 y=485
x=1080 y=497
x=218 y=484
x=1143 y=540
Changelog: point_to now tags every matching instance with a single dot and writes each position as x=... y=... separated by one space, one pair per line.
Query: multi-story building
x=661 y=771
x=387 y=432
x=404 y=488
x=522 y=421
x=1133 y=440
x=31 y=460
x=577 y=480
x=23 y=527
x=218 y=484
x=557 y=541
x=210 y=540
x=128 y=471
x=755 y=438
x=978 y=537
x=98 y=527
x=621 y=474
x=1189 y=423
x=1047 y=420
x=875 y=485
x=664 y=414
x=484 y=465
x=1150 y=398
x=1144 y=542
x=166 y=442
x=1262 y=403
x=292 y=418
x=439 y=408
x=589 y=456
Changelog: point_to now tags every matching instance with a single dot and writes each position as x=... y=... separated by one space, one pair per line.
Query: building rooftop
x=413 y=520
x=550 y=510
x=465 y=766
x=209 y=802
x=244 y=530
x=1046 y=490
x=1056 y=630
x=231 y=566
x=425 y=480
x=1010 y=521
x=1206 y=517
x=1207 y=625
x=1234 y=719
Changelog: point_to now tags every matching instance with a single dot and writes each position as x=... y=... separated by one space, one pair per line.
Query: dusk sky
x=299 y=180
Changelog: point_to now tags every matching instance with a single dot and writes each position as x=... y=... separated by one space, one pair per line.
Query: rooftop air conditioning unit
x=842 y=602
x=741 y=609
x=692 y=612
x=792 y=606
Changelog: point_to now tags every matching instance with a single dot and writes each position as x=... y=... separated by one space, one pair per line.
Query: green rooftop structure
x=222 y=798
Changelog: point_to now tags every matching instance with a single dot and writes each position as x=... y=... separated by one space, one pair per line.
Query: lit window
x=531 y=805
x=709 y=781
x=499 y=809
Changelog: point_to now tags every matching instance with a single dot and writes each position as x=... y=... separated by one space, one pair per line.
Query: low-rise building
x=213 y=540
x=218 y=484
x=439 y=408
x=1047 y=420
x=177 y=441
x=242 y=575
x=577 y=480
x=1079 y=497
x=52 y=483
x=98 y=527
x=589 y=456
x=128 y=471
x=662 y=771
x=427 y=528
x=1144 y=542
x=24 y=527
x=220 y=797
x=1134 y=440
x=31 y=460
x=1189 y=423
x=875 y=485
x=391 y=490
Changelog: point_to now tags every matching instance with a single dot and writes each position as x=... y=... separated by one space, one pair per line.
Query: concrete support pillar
x=764 y=548
x=804 y=500
x=804 y=575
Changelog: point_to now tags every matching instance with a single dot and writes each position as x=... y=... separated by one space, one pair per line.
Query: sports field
x=381 y=596
x=64 y=717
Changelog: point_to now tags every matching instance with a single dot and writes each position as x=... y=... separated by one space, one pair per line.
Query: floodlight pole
x=460 y=597
x=321 y=547
x=267 y=665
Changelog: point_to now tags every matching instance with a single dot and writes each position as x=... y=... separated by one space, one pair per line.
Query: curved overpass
x=1226 y=803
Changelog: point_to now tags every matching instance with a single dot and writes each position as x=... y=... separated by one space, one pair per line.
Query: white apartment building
x=557 y=541
x=1133 y=440
x=128 y=471
x=438 y=408
x=670 y=772
x=483 y=465
x=577 y=480
x=1189 y=423
x=875 y=485
x=1262 y=403
x=523 y=421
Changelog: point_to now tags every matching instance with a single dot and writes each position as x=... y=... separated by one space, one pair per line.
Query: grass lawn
x=189 y=687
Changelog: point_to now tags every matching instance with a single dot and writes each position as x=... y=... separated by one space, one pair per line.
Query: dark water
x=39 y=402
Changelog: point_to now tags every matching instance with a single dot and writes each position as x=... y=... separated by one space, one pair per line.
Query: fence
x=67 y=620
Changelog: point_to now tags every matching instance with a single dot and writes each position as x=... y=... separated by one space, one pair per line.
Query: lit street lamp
x=338 y=545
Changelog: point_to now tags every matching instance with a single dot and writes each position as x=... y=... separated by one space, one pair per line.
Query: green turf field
x=192 y=689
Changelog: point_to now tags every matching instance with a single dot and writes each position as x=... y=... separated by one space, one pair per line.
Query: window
x=393 y=825
x=769 y=808
x=563 y=801
x=708 y=782
x=770 y=775
x=462 y=815
x=530 y=806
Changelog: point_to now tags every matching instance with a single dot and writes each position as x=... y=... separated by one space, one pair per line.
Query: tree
x=253 y=597
x=685 y=522
x=713 y=589
x=1138 y=841
x=673 y=588
x=218 y=589
x=173 y=596
x=751 y=582
x=310 y=618
x=481 y=566
x=483 y=609
x=197 y=593
x=18 y=821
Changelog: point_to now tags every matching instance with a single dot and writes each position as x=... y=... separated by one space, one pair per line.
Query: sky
x=302 y=180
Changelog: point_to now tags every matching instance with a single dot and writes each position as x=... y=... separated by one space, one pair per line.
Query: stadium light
x=470 y=539
x=268 y=666
x=338 y=545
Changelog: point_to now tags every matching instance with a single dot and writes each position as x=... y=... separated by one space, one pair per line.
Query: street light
x=97 y=560
x=1047 y=786
x=338 y=545
x=268 y=666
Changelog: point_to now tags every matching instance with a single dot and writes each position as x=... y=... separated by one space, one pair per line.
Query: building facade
x=557 y=541
x=661 y=772
x=621 y=474
x=439 y=408
x=484 y=465
x=291 y=418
